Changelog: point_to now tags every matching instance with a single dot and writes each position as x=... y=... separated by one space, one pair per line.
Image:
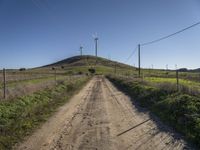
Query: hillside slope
x=86 y=60
x=81 y=64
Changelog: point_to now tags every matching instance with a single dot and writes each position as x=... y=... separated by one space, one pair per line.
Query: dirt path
x=101 y=118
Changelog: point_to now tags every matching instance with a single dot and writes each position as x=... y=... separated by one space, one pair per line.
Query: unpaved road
x=101 y=118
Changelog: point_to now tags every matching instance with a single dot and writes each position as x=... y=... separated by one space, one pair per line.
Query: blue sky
x=39 y=32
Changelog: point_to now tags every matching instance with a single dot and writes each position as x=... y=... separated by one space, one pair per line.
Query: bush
x=183 y=113
x=22 y=69
x=92 y=70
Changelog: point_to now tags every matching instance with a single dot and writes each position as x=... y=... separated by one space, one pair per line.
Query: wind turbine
x=81 y=50
x=96 y=43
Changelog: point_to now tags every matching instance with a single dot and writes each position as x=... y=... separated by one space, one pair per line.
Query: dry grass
x=31 y=86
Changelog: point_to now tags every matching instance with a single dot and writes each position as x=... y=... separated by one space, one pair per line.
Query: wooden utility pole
x=115 y=67
x=96 y=45
x=167 y=70
x=55 y=73
x=4 y=83
x=139 y=71
x=177 y=80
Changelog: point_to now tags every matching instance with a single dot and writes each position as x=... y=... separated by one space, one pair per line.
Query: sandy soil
x=100 y=117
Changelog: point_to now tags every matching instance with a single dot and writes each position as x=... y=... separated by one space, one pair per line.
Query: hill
x=88 y=60
x=83 y=63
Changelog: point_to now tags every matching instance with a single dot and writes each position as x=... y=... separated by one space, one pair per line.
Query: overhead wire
x=128 y=58
x=170 y=35
x=162 y=38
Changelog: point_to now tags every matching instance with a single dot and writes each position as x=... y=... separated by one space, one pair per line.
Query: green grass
x=31 y=81
x=172 y=80
x=19 y=117
x=187 y=86
x=179 y=110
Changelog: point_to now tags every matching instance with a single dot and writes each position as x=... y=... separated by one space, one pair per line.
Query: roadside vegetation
x=20 y=116
x=179 y=109
x=32 y=96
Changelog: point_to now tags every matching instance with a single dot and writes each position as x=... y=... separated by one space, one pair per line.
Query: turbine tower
x=81 y=50
x=96 y=43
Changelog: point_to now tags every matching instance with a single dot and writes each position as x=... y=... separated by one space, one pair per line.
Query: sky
x=38 y=32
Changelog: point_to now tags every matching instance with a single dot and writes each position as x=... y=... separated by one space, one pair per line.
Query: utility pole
x=177 y=80
x=167 y=70
x=96 y=45
x=115 y=67
x=139 y=60
x=55 y=75
x=4 y=83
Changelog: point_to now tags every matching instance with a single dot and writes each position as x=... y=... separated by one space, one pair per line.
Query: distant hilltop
x=189 y=70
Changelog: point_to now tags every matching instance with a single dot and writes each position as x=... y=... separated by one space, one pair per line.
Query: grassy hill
x=81 y=64
x=86 y=60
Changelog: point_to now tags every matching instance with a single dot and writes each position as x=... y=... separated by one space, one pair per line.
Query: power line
x=170 y=35
x=128 y=58
x=162 y=38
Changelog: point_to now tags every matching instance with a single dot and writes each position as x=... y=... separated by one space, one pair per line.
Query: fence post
x=139 y=69
x=55 y=77
x=177 y=80
x=199 y=76
x=115 y=68
x=4 y=83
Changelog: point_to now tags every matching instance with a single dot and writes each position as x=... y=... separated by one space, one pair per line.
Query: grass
x=19 y=117
x=156 y=91
x=24 y=87
x=179 y=110
x=186 y=86
x=173 y=80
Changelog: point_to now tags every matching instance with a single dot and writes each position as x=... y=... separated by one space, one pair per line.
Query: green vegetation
x=156 y=91
x=78 y=64
x=178 y=109
x=186 y=86
x=18 y=117
x=32 y=81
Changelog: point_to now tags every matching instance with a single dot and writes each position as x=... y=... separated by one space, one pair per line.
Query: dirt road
x=101 y=118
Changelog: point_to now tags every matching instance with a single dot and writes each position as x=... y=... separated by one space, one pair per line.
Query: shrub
x=92 y=70
x=22 y=69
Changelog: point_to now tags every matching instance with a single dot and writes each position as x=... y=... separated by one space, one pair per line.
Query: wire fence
x=18 y=83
